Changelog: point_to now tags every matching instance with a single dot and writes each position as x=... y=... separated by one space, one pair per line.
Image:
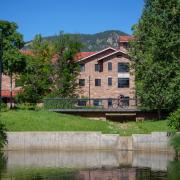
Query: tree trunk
x=159 y=113
x=11 y=91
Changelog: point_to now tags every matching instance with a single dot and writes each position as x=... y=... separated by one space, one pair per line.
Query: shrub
x=59 y=103
x=3 y=136
x=26 y=106
x=175 y=142
x=3 y=106
x=174 y=120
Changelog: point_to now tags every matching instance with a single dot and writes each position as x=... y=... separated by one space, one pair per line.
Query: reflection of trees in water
x=44 y=175
x=148 y=174
x=3 y=163
x=172 y=173
x=174 y=170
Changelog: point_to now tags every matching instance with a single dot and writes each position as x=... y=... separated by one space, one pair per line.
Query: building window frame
x=109 y=81
x=82 y=67
x=97 y=102
x=123 y=82
x=82 y=102
x=110 y=100
x=97 y=67
x=81 y=82
x=109 y=66
x=125 y=101
x=97 y=82
x=123 y=67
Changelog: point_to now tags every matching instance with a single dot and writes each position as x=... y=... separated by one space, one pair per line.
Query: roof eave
x=96 y=53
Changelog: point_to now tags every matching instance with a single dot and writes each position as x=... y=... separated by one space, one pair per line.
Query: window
x=123 y=82
x=97 y=67
x=81 y=82
x=126 y=45
x=97 y=82
x=109 y=81
x=125 y=101
x=97 y=102
x=109 y=102
x=82 y=67
x=81 y=103
x=109 y=66
x=123 y=67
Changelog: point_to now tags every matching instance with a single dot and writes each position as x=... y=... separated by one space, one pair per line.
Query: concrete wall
x=156 y=141
x=151 y=142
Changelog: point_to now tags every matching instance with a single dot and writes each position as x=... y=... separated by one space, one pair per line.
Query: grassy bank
x=24 y=120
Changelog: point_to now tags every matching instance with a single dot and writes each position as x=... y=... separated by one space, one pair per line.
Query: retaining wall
x=156 y=141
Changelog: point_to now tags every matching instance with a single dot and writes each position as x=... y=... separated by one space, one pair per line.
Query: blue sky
x=48 y=17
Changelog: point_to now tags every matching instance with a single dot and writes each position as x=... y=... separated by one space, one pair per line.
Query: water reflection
x=88 y=165
x=3 y=162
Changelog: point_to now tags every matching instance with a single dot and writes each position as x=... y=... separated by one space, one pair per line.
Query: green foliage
x=3 y=106
x=155 y=53
x=3 y=136
x=12 y=41
x=36 y=76
x=26 y=106
x=59 y=104
x=65 y=68
x=175 y=142
x=42 y=173
x=173 y=170
x=174 y=120
x=3 y=163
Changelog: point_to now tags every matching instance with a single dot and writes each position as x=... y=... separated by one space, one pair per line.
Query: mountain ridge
x=94 y=42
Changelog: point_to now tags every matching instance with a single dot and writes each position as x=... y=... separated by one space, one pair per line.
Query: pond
x=88 y=165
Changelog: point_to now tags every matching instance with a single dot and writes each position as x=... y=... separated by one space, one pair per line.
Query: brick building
x=6 y=88
x=107 y=74
x=104 y=74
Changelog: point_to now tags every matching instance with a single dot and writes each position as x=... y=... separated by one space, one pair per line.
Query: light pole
x=1 y=54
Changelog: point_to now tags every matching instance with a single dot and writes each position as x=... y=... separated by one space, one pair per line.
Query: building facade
x=107 y=74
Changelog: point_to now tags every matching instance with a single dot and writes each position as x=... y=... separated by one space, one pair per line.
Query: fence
x=95 y=103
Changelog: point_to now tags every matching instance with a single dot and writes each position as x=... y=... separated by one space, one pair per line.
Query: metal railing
x=93 y=103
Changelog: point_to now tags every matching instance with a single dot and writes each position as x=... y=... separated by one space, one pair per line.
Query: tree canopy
x=66 y=70
x=156 y=55
x=36 y=76
x=12 y=41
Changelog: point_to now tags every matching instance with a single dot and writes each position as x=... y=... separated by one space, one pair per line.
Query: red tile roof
x=82 y=55
x=126 y=38
x=6 y=93
x=78 y=56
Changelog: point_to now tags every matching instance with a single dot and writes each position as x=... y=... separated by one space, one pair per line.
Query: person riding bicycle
x=120 y=100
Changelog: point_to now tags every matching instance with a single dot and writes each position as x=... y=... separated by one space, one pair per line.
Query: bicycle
x=120 y=103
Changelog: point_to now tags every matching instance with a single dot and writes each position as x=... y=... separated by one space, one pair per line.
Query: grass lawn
x=24 y=120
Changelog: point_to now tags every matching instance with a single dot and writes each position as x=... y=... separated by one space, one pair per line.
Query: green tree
x=3 y=136
x=156 y=55
x=66 y=69
x=12 y=41
x=36 y=76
